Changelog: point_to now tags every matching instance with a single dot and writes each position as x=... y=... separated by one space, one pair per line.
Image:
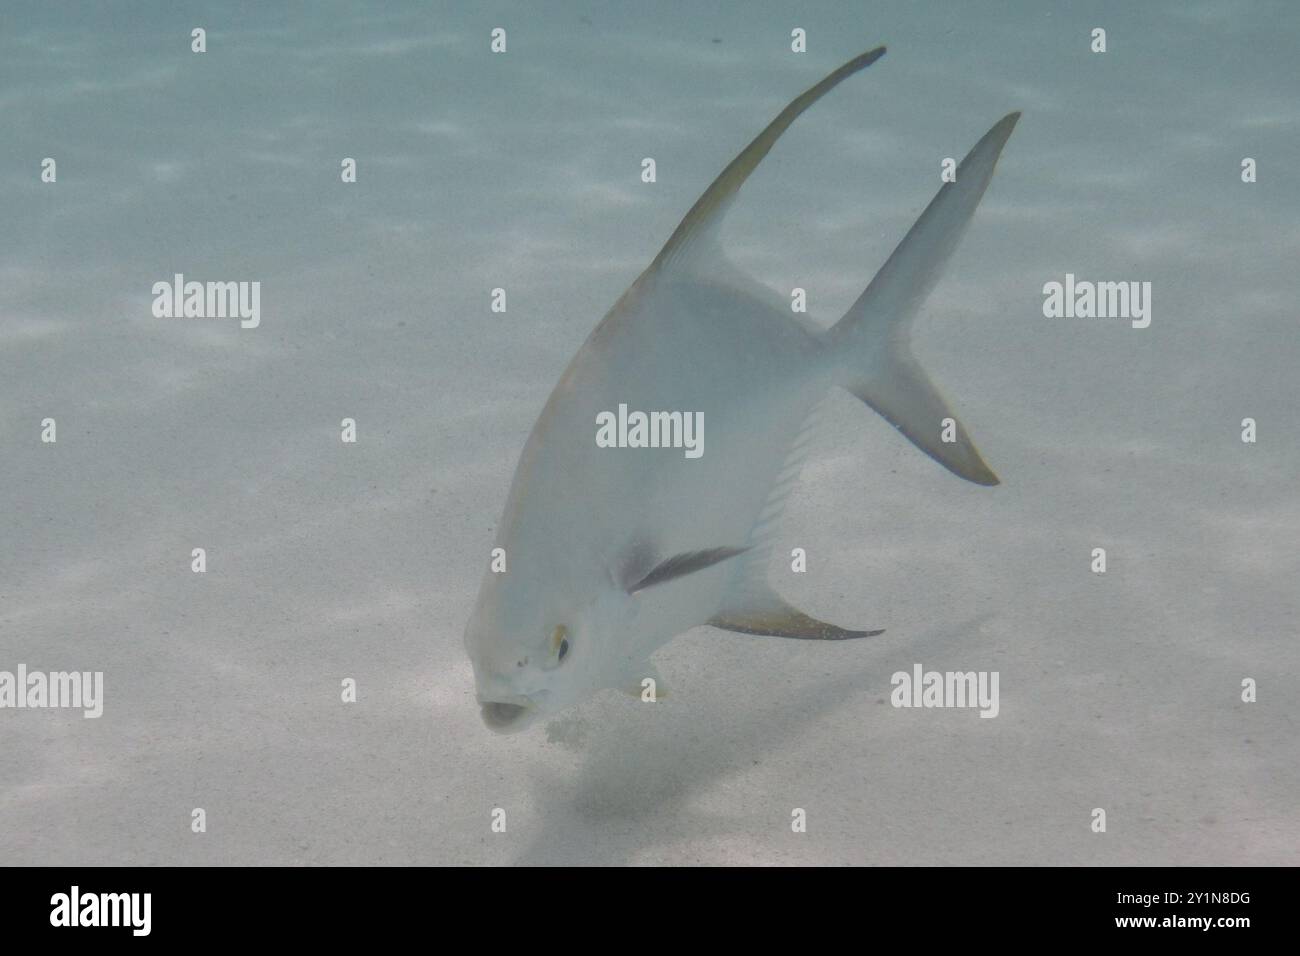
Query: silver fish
x=611 y=552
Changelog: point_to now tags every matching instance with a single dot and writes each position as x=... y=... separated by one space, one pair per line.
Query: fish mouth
x=507 y=716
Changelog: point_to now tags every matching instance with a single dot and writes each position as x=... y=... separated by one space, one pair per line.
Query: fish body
x=611 y=552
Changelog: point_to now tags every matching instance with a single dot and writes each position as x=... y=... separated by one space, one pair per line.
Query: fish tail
x=871 y=342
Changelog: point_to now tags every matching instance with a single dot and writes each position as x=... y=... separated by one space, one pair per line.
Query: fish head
x=534 y=659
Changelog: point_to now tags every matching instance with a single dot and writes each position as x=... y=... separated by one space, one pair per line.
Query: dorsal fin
x=701 y=223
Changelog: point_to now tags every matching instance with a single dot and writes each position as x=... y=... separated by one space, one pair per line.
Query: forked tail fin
x=872 y=339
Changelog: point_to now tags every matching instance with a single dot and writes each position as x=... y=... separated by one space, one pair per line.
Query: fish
x=608 y=553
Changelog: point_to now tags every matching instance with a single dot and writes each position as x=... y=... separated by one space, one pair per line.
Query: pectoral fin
x=679 y=565
x=768 y=615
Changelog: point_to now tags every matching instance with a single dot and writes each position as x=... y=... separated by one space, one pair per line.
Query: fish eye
x=560 y=642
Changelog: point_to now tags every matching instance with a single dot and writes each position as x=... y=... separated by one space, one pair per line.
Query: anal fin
x=751 y=606
x=767 y=615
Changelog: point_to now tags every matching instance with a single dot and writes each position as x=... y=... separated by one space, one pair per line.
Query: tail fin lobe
x=872 y=339
x=907 y=399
